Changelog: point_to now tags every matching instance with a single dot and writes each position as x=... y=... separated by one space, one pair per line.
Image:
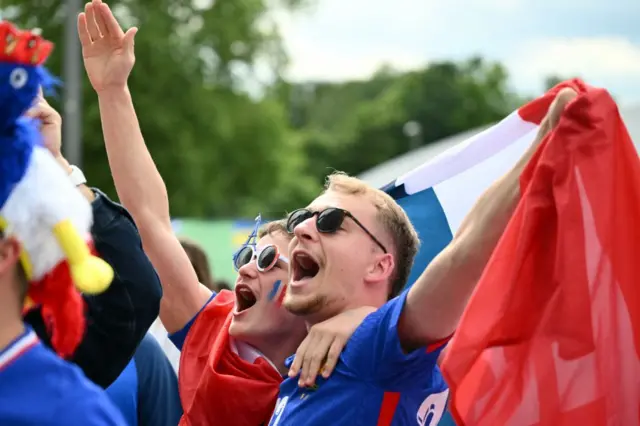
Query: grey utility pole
x=72 y=75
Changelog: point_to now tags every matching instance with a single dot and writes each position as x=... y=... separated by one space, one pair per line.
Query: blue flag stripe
x=430 y=221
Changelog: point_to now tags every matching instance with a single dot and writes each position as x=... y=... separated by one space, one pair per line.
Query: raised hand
x=50 y=127
x=107 y=51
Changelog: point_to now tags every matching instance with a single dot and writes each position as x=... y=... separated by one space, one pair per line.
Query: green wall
x=219 y=238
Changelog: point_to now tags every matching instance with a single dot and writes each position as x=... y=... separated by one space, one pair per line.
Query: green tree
x=354 y=126
x=221 y=151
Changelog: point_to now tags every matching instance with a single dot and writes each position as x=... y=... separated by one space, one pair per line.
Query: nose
x=307 y=231
x=249 y=270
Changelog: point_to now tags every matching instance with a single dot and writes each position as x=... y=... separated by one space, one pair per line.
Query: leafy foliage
x=356 y=125
x=226 y=153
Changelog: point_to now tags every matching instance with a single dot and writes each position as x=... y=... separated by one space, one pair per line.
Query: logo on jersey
x=277 y=413
x=432 y=408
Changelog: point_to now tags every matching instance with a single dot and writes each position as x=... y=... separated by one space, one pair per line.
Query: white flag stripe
x=459 y=158
x=458 y=194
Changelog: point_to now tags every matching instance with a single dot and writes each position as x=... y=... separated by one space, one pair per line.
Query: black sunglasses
x=329 y=221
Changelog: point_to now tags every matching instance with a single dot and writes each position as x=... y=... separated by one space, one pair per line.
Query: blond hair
x=393 y=219
x=275 y=227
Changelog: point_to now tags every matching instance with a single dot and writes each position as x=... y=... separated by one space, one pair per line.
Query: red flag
x=551 y=335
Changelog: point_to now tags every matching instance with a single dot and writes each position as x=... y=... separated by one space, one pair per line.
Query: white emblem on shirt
x=432 y=408
x=277 y=413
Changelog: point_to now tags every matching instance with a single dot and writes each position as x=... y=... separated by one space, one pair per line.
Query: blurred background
x=247 y=104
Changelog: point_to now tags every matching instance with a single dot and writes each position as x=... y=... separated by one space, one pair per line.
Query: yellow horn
x=90 y=273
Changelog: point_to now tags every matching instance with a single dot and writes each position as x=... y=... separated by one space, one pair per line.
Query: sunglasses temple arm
x=369 y=233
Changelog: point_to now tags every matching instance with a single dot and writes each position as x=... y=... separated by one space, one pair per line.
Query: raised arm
x=108 y=55
x=436 y=301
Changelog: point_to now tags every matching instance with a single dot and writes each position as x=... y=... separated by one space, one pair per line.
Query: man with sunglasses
x=354 y=246
x=233 y=343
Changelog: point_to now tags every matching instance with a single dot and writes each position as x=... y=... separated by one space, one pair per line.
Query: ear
x=381 y=268
x=9 y=254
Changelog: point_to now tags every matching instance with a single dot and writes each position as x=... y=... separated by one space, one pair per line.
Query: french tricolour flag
x=439 y=194
x=551 y=335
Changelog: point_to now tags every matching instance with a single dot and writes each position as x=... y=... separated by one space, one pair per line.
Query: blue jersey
x=374 y=382
x=38 y=388
x=147 y=390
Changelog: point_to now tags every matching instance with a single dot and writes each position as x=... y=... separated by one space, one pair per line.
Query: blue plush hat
x=39 y=206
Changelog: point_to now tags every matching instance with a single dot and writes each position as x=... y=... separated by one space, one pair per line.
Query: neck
x=11 y=329
x=11 y=325
x=278 y=349
x=330 y=310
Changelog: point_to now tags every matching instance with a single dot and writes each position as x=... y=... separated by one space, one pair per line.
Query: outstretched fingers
x=83 y=31
x=92 y=26
x=110 y=22
x=100 y=21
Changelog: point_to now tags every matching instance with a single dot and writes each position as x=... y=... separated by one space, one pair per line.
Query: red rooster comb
x=22 y=47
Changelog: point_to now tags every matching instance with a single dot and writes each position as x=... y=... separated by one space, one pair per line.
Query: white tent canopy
x=386 y=172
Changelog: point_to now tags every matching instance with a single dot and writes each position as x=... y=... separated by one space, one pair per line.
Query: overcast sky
x=347 y=39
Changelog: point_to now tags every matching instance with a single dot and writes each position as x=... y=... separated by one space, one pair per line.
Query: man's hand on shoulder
x=320 y=350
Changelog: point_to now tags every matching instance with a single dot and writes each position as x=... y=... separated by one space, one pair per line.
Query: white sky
x=346 y=39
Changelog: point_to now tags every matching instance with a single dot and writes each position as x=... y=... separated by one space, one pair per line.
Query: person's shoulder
x=216 y=310
x=90 y=406
x=210 y=324
x=74 y=398
x=149 y=343
x=387 y=314
x=151 y=359
x=84 y=403
x=396 y=302
x=57 y=375
x=224 y=298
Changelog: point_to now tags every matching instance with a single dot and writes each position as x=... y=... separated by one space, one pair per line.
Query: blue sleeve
x=179 y=336
x=158 y=397
x=91 y=409
x=374 y=352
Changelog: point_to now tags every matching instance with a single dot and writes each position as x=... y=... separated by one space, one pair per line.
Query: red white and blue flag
x=552 y=333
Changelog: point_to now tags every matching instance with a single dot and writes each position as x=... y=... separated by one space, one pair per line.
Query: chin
x=244 y=332
x=303 y=305
x=235 y=329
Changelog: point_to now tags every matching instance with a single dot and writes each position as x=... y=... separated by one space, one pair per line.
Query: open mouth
x=303 y=267
x=245 y=298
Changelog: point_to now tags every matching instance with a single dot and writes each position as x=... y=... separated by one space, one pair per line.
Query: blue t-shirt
x=147 y=390
x=374 y=382
x=39 y=388
x=123 y=392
